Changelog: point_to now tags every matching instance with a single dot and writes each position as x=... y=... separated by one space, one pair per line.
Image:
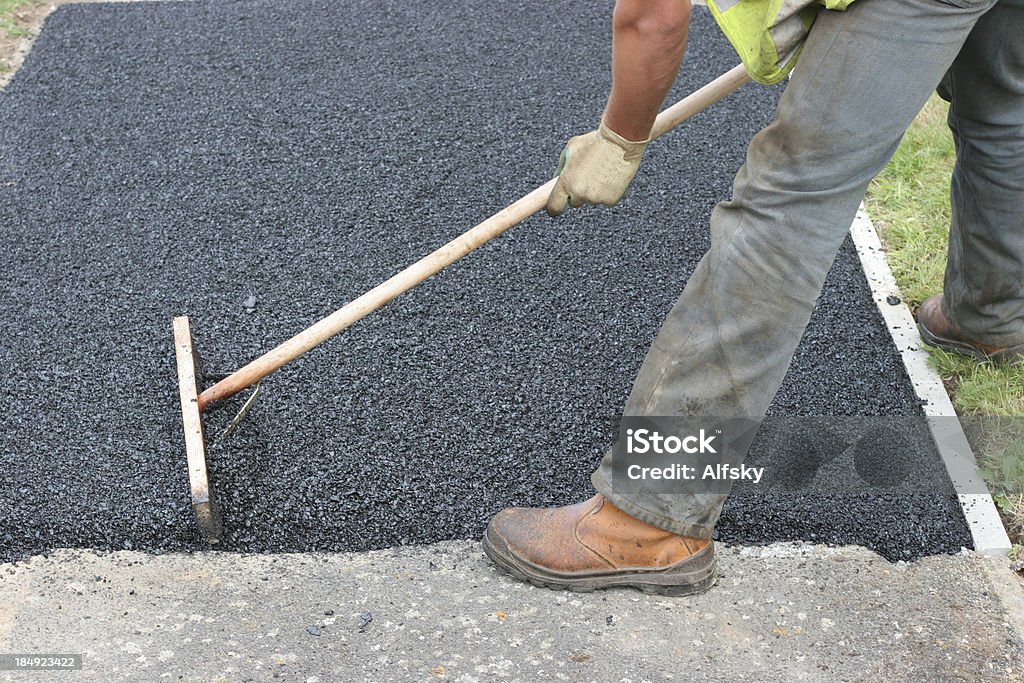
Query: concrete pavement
x=442 y=612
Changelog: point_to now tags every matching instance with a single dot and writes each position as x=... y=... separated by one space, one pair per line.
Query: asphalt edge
x=979 y=509
x=25 y=43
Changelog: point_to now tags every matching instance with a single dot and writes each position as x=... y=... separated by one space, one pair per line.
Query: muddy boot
x=936 y=330
x=594 y=544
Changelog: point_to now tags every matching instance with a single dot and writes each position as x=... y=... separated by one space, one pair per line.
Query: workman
x=864 y=72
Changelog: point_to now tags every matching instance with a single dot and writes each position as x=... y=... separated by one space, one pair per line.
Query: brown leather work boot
x=936 y=331
x=594 y=544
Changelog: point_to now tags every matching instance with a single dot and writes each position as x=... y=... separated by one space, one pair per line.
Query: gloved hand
x=595 y=168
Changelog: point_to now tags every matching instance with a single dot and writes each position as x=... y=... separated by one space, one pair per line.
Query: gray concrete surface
x=442 y=612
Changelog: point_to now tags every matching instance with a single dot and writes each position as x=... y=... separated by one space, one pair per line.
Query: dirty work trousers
x=864 y=74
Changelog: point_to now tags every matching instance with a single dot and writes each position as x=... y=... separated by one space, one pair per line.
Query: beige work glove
x=595 y=168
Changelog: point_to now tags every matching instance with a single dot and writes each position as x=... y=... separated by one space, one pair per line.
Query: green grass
x=981 y=389
x=7 y=19
x=1002 y=440
x=909 y=202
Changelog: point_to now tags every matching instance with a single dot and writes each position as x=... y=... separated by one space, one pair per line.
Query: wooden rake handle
x=445 y=256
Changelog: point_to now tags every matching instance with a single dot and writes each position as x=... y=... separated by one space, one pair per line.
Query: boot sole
x=964 y=349
x=674 y=583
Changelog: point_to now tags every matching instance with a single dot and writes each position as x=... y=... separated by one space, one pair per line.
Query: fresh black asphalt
x=255 y=165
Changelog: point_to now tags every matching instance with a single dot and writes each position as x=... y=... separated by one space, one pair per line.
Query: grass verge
x=9 y=23
x=20 y=21
x=909 y=204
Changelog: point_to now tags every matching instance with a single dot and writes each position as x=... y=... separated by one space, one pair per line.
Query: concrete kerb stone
x=979 y=509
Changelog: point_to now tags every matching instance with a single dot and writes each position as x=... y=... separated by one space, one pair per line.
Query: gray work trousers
x=864 y=74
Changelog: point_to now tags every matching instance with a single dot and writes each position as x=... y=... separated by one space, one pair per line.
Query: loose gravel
x=255 y=165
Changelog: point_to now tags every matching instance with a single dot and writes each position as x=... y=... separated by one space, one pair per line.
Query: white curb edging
x=979 y=509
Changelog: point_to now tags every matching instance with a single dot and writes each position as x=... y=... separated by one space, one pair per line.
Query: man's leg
x=727 y=344
x=983 y=295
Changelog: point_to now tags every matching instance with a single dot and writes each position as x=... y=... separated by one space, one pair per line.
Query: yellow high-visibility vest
x=768 y=35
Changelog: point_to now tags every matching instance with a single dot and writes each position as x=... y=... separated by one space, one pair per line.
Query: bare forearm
x=648 y=41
